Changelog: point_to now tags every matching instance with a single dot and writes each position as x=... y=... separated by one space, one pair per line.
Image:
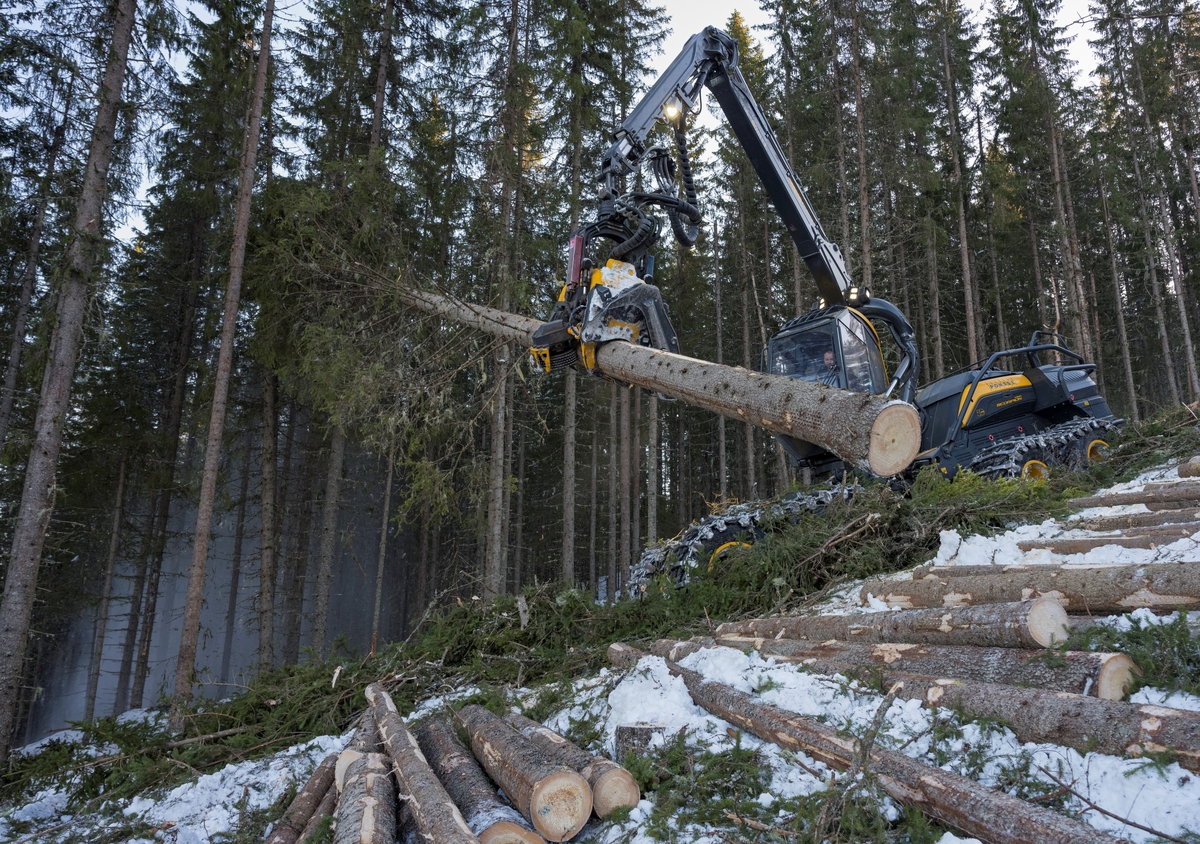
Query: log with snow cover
x=990 y=815
x=366 y=811
x=613 y=787
x=466 y=783
x=552 y=797
x=1088 y=590
x=868 y=431
x=424 y=801
x=1024 y=624
x=1102 y=675
x=1082 y=722
x=1170 y=493
x=304 y=804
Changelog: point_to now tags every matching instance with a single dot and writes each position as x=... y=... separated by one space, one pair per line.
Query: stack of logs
x=389 y=784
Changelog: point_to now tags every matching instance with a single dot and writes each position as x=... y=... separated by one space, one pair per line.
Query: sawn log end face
x=895 y=439
x=507 y=832
x=614 y=789
x=560 y=805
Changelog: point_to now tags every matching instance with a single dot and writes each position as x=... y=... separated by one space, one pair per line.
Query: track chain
x=1057 y=446
x=677 y=557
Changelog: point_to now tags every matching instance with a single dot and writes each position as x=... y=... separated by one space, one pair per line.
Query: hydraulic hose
x=686 y=235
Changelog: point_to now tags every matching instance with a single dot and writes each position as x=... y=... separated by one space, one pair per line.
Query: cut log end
x=507 y=832
x=614 y=789
x=1115 y=677
x=895 y=439
x=560 y=805
x=1048 y=622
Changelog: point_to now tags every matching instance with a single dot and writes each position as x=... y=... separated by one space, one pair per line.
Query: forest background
x=226 y=438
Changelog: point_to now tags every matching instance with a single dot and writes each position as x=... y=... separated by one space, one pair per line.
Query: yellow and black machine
x=1011 y=414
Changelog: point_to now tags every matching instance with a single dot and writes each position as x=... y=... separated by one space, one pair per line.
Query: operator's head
x=830 y=359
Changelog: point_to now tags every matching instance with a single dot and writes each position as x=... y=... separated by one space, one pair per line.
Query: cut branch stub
x=867 y=431
x=613 y=787
x=1026 y=624
x=555 y=799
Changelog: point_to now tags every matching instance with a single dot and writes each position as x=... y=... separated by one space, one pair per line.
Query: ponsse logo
x=1001 y=383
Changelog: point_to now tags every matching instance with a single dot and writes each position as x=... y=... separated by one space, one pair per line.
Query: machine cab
x=835 y=346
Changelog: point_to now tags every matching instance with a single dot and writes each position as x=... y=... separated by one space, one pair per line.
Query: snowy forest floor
x=128 y=779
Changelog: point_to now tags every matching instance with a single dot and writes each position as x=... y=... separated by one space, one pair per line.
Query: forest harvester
x=1013 y=414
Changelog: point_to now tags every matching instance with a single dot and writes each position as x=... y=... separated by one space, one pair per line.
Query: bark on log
x=1103 y=675
x=992 y=816
x=1081 y=722
x=304 y=804
x=867 y=431
x=621 y=655
x=1145 y=537
x=613 y=787
x=1169 y=494
x=1100 y=589
x=555 y=799
x=1136 y=520
x=1026 y=624
x=1160 y=506
x=421 y=795
x=1190 y=469
x=366 y=812
x=366 y=735
x=466 y=783
x=326 y=808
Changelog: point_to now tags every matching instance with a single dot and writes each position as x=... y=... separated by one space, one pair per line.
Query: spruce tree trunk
x=1168 y=355
x=652 y=466
x=635 y=493
x=190 y=630
x=747 y=357
x=593 y=510
x=37 y=495
x=329 y=514
x=864 y=202
x=295 y=573
x=493 y=572
x=570 y=431
x=385 y=55
x=626 y=493
x=935 y=311
x=1001 y=329
x=613 y=447
x=1074 y=304
x=1091 y=324
x=383 y=538
x=235 y=574
x=964 y=249
x=1131 y=411
x=114 y=542
x=129 y=648
x=838 y=131
x=1043 y=322
x=28 y=280
x=722 y=460
x=268 y=541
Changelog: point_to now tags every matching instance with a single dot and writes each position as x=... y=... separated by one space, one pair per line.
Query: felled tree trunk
x=1144 y=537
x=466 y=783
x=867 y=431
x=1167 y=494
x=964 y=804
x=613 y=787
x=1083 y=722
x=1103 y=675
x=1136 y=520
x=304 y=804
x=325 y=809
x=422 y=796
x=1027 y=624
x=555 y=799
x=621 y=655
x=1164 y=586
x=366 y=812
x=366 y=735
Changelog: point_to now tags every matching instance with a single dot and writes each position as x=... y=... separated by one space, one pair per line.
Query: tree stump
x=613 y=787
x=466 y=783
x=637 y=739
x=366 y=812
x=555 y=799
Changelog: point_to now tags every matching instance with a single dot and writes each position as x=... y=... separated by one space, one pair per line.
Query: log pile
x=389 y=785
x=964 y=804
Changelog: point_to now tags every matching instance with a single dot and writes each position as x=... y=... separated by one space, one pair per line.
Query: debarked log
x=613 y=787
x=366 y=812
x=304 y=804
x=552 y=797
x=992 y=816
x=1093 y=589
x=1025 y=624
x=868 y=431
x=425 y=802
x=466 y=783
x=1084 y=723
x=1102 y=675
